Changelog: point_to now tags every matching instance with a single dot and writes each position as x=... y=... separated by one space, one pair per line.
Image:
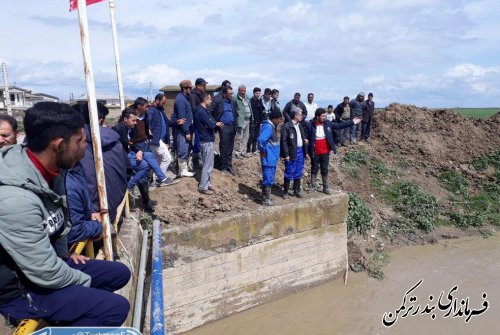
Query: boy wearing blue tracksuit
x=269 y=148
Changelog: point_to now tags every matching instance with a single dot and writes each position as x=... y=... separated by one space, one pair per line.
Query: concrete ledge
x=208 y=238
x=129 y=250
x=220 y=267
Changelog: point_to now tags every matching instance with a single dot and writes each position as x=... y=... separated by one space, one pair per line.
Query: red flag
x=73 y=4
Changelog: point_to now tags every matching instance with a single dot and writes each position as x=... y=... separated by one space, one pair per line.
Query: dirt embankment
x=419 y=143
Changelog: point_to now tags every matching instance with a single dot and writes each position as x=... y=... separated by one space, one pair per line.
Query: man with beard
x=184 y=132
x=294 y=103
x=159 y=125
x=356 y=111
x=39 y=278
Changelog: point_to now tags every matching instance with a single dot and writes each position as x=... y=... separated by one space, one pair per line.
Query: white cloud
x=471 y=70
x=400 y=50
x=158 y=74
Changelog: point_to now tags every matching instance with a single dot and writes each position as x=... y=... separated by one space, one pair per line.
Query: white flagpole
x=6 y=94
x=94 y=126
x=117 y=54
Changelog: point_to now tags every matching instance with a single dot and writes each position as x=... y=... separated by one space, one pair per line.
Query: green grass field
x=477 y=112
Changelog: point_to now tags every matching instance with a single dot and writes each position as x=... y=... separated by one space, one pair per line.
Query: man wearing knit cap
x=356 y=112
x=182 y=110
x=269 y=148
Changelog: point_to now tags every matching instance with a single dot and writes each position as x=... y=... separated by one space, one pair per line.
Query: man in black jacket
x=295 y=102
x=222 y=109
x=258 y=117
x=200 y=86
x=125 y=129
x=367 y=107
x=293 y=142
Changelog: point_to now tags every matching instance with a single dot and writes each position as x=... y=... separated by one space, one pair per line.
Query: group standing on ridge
x=49 y=193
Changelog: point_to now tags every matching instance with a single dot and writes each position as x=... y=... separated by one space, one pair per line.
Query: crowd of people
x=49 y=193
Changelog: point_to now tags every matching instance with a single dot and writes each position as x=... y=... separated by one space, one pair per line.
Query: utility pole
x=150 y=96
x=117 y=54
x=6 y=94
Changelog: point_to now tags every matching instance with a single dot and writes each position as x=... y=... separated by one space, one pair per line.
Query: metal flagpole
x=94 y=126
x=117 y=54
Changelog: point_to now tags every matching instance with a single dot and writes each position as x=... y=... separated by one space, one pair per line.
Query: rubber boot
x=183 y=169
x=266 y=196
x=296 y=188
x=326 y=188
x=144 y=190
x=286 y=187
x=313 y=183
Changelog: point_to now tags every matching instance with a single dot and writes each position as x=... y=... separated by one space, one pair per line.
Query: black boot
x=296 y=188
x=326 y=188
x=313 y=182
x=266 y=196
x=144 y=190
x=286 y=187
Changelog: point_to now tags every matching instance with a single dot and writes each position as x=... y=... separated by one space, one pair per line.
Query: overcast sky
x=430 y=53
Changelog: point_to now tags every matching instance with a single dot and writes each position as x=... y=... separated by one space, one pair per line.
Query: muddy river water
x=472 y=264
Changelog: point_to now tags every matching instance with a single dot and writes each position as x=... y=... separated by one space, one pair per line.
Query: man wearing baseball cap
x=195 y=101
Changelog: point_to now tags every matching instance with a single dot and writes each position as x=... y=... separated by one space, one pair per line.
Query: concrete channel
x=215 y=268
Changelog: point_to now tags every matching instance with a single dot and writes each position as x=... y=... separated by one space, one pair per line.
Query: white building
x=21 y=99
x=109 y=101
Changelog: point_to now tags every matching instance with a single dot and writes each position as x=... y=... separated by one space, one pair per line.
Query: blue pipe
x=157 y=326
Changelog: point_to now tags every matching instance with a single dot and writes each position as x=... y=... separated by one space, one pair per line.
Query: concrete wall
x=220 y=267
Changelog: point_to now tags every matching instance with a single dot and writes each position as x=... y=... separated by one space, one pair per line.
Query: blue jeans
x=354 y=130
x=77 y=306
x=150 y=159
x=183 y=146
x=141 y=169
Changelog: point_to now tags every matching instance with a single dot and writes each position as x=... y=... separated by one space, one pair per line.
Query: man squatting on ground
x=269 y=148
x=293 y=141
x=38 y=276
x=205 y=125
x=321 y=142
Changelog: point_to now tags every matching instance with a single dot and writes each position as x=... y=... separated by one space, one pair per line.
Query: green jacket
x=239 y=108
x=33 y=227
